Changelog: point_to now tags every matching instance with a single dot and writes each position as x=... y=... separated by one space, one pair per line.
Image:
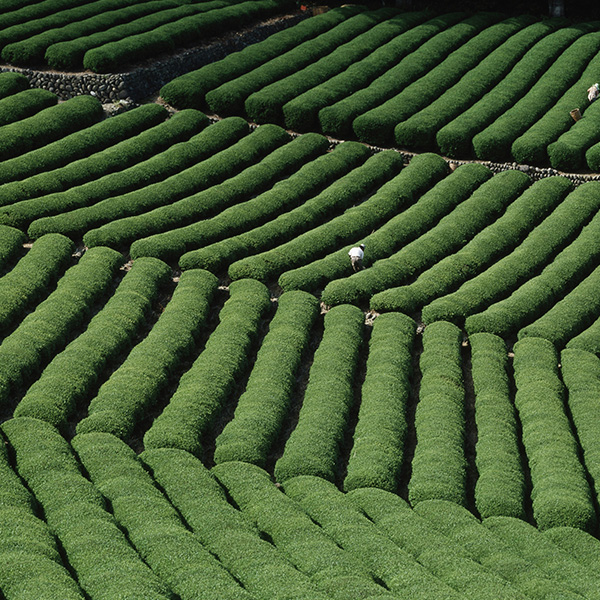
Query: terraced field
x=199 y=397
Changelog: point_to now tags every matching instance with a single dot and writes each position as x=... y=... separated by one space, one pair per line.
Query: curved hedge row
x=11 y=244
x=12 y=83
x=25 y=104
x=314 y=445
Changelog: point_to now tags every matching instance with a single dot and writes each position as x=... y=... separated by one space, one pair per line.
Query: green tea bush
x=439 y=463
x=31 y=278
x=425 y=201
x=485 y=248
x=377 y=453
x=256 y=178
x=285 y=195
x=588 y=339
x=327 y=233
x=580 y=545
x=12 y=83
x=72 y=374
x=206 y=387
x=496 y=282
x=561 y=493
x=264 y=405
x=25 y=104
x=313 y=447
x=46 y=330
x=500 y=485
x=135 y=386
x=448 y=234
x=114 y=160
x=11 y=244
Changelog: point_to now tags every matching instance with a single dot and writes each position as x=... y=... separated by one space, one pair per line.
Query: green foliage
x=25 y=104
x=495 y=141
x=313 y=447
x=496 y=282
x=12 y=83
x=423 y=175
x=419 y=130
x=232 y=222
x=73 y=373
x=455 y=138
x=561 y=494
x=329 y=232
x=46 y=330
x=110 y=56
x=439 y=463
x=188 y=91
x=263 y=406
x=136 y=384
x=48 y=125
x=448 y=234
x=376 y=126
x=378 y=450
x=260 y=175
x=206 y=387
x=32 y=276
x=11 y=243
x=100 y=555
x=500 y=486
x=482 y=250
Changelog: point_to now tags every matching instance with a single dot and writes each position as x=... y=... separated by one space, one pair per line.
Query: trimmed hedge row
x=12 y=83
x=495 y=555
x=539 y=293
x=49 y=125
x=264 y=405
x=532 y=147
x=556 y=231
x=104 y=562
x=123 y=186
x=484 y=205
x=445 y=35
x=135 y=386
x=201 y=175
x=25 y=104
x=535 y=545
x=498 y=238
x=377 y=453
x=495 y=141
x=439 y=464
x=394 y=518
x=500 y=486
x=561 y=494
x=73 y=374
x=188 y=91
x=83 y=143
x=455 y=138
x=207 y=386
x=266 y=104
x=30 y=563
x=114 y=159
x=324 y=236
x=224 y=530
x=377 y=126
x=581 y=374
x=46 y=330
x=570 y=316
x=358 y=535
x=419 y=130
x=402 y=228
x=580 y=545
x=314 y=446
x=256 y=178
x=340 y=193
x=301 y=113
x=153 y=526
x=285 y=195
x=11 y=244
x=229 y=98
x=32 y=276
x=295 y=534
x=110 y=57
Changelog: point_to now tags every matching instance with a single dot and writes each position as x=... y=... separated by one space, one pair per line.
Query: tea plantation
x=201 y=399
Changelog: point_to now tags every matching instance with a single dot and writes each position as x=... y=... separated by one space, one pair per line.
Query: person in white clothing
x=356 y=255
x=594 y=92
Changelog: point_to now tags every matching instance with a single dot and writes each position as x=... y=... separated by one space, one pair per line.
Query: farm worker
x=594 y=92
x=356 y=255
